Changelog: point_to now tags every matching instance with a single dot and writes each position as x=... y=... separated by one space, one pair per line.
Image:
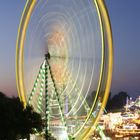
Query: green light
x=39 y=102
x=43 y=76
x=34 y=88
x=38 y=107
x=41 y=89
x=35 y=84
x=47 y=112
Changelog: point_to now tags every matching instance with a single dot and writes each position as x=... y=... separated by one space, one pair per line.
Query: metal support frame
x=46 y=104
x=42 y=76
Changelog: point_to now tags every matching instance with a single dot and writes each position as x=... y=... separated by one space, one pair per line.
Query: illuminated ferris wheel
x=64 y=63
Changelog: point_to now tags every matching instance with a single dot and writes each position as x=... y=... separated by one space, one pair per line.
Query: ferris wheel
x=64 y=62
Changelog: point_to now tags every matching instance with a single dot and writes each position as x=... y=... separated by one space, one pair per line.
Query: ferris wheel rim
x=22 y=33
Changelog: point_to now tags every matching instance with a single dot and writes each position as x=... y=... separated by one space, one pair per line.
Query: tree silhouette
x=117 y=102
x=90 y=98
x=15 y=121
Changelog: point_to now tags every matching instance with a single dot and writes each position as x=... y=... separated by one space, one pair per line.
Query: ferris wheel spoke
x=77 y=92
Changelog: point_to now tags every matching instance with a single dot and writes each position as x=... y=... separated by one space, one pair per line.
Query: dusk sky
x=125 y=21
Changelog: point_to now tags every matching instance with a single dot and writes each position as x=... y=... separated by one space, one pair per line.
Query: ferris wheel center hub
x=47 y=56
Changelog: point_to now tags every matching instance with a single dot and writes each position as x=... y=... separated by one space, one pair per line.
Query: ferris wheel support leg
x=98 y=128
x=41 y=91
x=35 y=85
x=101 y=133
x=47 y=104
x=58 y=99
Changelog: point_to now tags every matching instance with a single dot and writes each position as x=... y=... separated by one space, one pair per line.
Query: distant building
x=125 y=123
